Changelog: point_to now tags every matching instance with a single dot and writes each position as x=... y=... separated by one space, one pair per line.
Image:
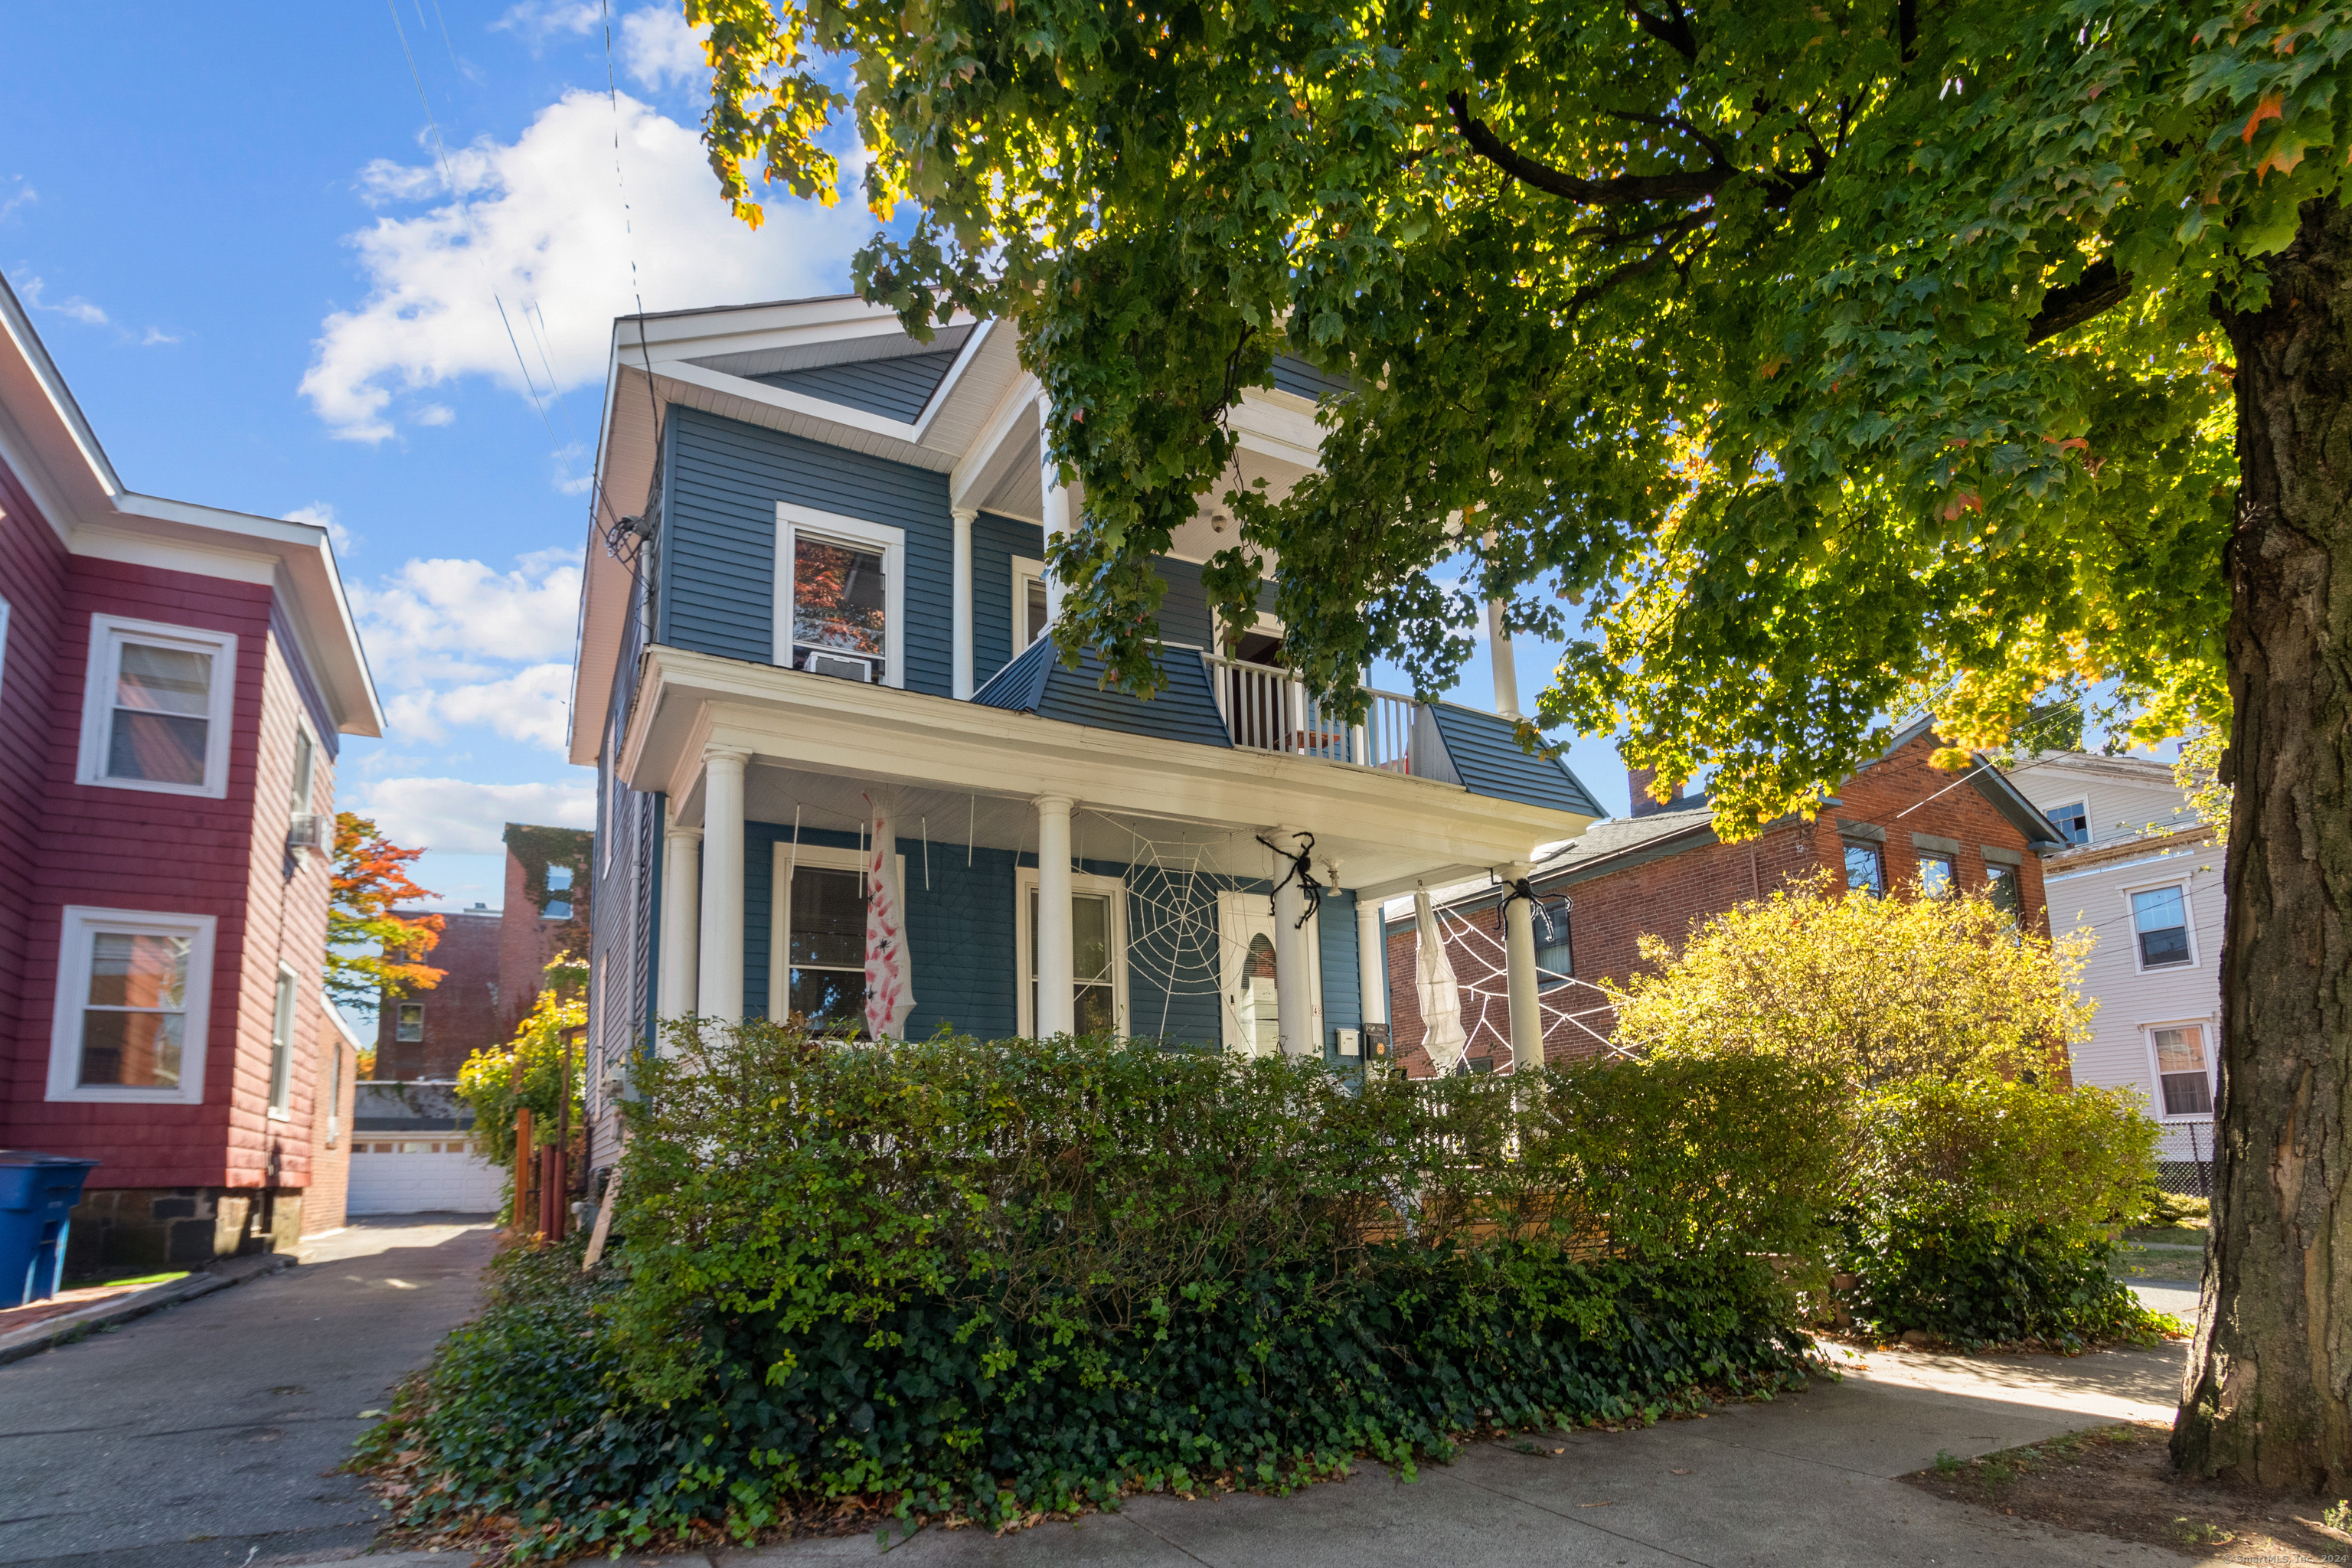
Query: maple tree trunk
x=2268 y=1394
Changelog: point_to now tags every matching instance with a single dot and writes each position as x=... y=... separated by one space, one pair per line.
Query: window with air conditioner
x=841 y=596
x=134 y=991
x=156 y=708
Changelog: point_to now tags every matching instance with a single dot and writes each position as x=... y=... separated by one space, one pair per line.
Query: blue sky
x=272 y=291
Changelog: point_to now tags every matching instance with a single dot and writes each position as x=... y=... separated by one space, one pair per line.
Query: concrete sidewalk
x=203 y=1437
x=1804 y=1482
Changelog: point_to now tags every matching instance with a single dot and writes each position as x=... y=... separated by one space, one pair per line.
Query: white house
x=2144 y=876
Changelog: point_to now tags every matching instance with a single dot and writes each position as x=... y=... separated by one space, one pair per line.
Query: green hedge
x=1985 y=1210
x=996 y=1281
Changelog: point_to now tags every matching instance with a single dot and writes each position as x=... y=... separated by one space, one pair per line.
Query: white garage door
x=422 y=1175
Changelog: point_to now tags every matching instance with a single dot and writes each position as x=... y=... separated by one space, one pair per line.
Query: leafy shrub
x=1872 y=990
x=997 y=1280
x=533 y=1070
x=1985 y=1209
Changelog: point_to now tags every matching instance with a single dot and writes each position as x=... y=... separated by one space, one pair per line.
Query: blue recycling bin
x=37 y=1192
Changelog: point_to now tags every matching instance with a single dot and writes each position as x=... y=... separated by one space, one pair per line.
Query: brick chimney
x=1638 y=781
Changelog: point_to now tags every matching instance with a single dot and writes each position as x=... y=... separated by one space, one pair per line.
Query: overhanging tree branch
x=1674 y=30
x=1681 y=185
x=2099 y=289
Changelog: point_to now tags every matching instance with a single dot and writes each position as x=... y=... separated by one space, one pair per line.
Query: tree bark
x=2268 y=1395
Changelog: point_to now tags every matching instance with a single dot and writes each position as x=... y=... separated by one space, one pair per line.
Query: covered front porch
x=1053 y=875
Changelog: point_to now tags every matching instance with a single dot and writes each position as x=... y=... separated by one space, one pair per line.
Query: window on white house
x=2073 y=821
x=841 y=596
x=1866 y=870
x=132 y=990
x=2160 y=922
x=1554 y=955
x=1938 y=876
x=408 y=1022
x=2183 y=1071
x=155 y=712
x=281 y=1046
x=826 y=983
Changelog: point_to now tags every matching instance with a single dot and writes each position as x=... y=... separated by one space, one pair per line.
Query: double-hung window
x=281 y=1047
x=408 y=1022
x=1555 y=957
x=816 y=947
x=1865 y=869
x=133 y=993
x=1937 y=875
x=1031 y=605
x=2160 y=926
x=2184 y=1070
x=841 y=596
x=1097 y=953
x=156 y=708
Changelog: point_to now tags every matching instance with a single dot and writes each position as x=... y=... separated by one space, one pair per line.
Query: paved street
x=200 y=1437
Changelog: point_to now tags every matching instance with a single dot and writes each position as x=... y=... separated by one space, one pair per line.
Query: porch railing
x=1266 y=709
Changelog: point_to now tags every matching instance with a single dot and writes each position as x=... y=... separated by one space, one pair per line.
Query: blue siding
x=1173 y=968
x=1294 y=374
x=996 y=541
x=1343 y=1001
x=894 y=388
x=1184 y=613
x=1485 y=750
x=719 y=561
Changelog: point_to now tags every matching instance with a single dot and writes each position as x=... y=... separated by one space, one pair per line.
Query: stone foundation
x=117 y=1228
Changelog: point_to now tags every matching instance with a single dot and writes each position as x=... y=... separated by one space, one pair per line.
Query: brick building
x=1897 y=823
x=491 y=959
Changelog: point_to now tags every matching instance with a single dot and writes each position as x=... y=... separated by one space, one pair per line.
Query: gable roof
x=1999 y=791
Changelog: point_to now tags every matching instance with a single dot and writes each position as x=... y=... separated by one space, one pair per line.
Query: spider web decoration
x=1480 y=968
x=1175 y=943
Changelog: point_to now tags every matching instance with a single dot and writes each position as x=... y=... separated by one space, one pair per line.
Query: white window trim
x=305 y=802
x=106 y=635
x=818 y=856
x=1025 y=571
x=79 y=923
x=2206 y=1026
x=2187 y=921
x=1024 y=883
x=891 y=543
x=290 y=985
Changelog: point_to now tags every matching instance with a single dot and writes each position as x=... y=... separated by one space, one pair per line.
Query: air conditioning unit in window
x=835 y=664
x=311 y=830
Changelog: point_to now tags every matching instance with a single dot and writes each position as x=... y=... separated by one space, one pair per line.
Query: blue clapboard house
x=816 y=599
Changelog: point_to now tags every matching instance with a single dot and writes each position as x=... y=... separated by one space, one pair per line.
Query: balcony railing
x=1270 y=709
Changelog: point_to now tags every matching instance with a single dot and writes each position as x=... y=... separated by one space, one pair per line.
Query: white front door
x=1246 y=947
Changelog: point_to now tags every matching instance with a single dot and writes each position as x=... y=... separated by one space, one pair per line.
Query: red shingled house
x=173 y=680
x=1898 y=823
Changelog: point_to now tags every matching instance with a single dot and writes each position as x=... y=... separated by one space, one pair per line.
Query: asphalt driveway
x=203 y=1437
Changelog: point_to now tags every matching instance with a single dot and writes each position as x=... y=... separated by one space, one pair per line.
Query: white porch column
x=1520 y=967
x=1293 y=956
x=1371 y=960
x=1056 y=508
x=963 y=516
x=681 y=919
x=1506 y=669
x=1057 y=979
x=719 y=990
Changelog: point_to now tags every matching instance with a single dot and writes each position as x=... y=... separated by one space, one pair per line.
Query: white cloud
x=458 y=644
x=454 y=816
x=536 y=21
x=321 y=514
x=157 y=335
x=538 y=224
x=532 y=705
x=658 y=49
x=73 y=306
x=23 y=196
x=431 y=414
